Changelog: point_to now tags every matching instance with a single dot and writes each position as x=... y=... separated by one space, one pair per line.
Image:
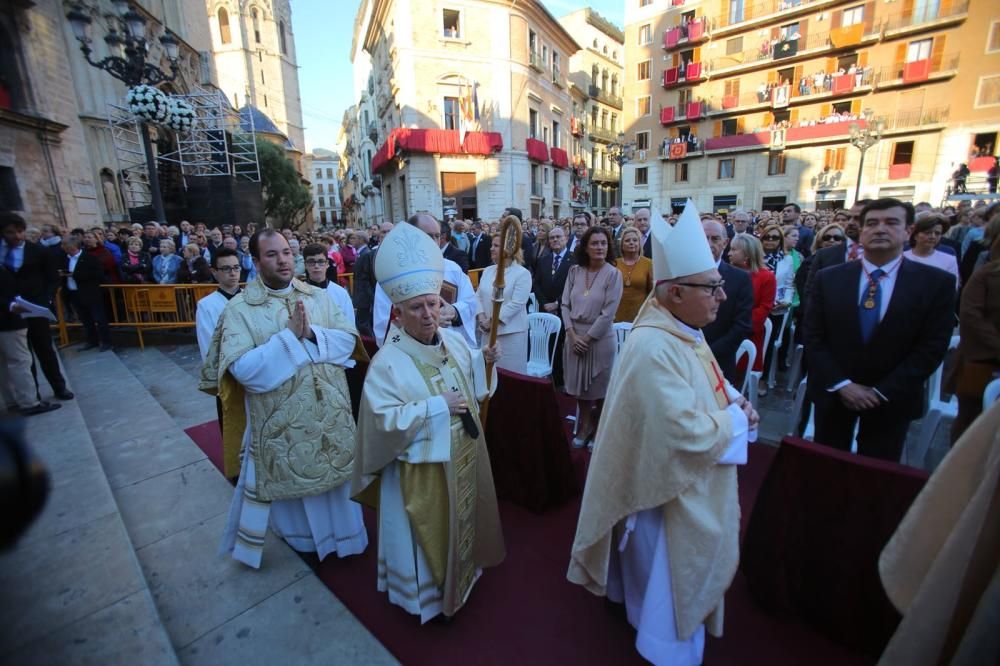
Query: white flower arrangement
x=180 y=114
x=148 y=103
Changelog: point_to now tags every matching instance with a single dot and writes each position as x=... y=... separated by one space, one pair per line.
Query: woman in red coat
x=747 y=253
x=109 y=266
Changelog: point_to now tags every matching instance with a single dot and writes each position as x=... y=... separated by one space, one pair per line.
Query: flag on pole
x=465 y=113
x=475 y=100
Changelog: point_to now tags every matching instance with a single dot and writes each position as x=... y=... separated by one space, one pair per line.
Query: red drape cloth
x=693 y=71
x=537 y=150
x=694 y=110
x=738 y=141
x=670 y=76
x=918 y=70
x=899 y=171
x=980 y=164
x=730 y=101
x=667 y=115
x=696 y=30
x=843 y=83
x=678 y=151
x=670 y=38
x=822 y=130
x=559 y=158
x=529 y=453
x=814 y=537
x=443 y=142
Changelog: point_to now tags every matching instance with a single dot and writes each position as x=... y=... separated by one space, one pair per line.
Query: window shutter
x=797 y=77
x=945 y=8
x=676 y=59
x=937 y=53
x=717 y=128
x=675 y=132
x=793 y=116
x=835 y=19
x=856 y=107
x=907 y=8
x=831 y=65
x=900 y=53
x=825 y=110
x=863 y=59
x=826 y=159
x=772 y=76
x=869 y=16
x=841 y=158
x=697 y=55
x=803 y=29
x=768 y=119
x=741 y=125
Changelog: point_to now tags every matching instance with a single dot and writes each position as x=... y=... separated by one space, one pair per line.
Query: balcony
x=604 y=176
x=784 y=52
x=683 y=35
x=832 y=87
x=909 y=73
x=763 y=13
x=577 y=126
x=373 y=132
x=679 y=150
x=686 y=74
x=535 y=61
x=557 y=78
x=603 y=134
x=906 y=23
x=734 y=142
x=601 y=95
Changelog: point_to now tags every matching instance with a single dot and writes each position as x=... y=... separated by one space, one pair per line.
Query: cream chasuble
x=659 y=522
x=432 y=484
x=300 y=432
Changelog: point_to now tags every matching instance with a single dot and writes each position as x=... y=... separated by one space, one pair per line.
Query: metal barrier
x=150 y=307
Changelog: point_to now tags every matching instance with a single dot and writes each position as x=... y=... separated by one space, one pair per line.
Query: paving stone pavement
x=122 y=566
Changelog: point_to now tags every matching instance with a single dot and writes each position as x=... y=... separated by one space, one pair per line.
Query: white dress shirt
x=73 y=258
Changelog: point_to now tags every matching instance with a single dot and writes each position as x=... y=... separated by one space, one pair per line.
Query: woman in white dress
x=512 y=332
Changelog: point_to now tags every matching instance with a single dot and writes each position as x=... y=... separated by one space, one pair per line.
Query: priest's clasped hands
x=298 y=323
x=753 y=418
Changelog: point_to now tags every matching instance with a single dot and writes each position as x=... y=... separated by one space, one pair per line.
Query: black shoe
x=105 y=348
x=64 y=394
x=40 y=408
x=89 y=345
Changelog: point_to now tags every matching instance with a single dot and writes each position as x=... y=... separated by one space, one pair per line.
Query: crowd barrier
x=150 y=307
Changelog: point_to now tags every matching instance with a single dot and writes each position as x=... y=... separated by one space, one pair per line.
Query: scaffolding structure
x=217 y=144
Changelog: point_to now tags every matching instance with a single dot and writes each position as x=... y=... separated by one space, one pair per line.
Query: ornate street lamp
x=621 y=153
x=126 y=61
x=864 y=138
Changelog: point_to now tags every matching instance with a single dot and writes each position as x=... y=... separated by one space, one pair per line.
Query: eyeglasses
x=832 y=237
x=228 y=269
x=317 y=262
x=712 y=288
x=771 y=238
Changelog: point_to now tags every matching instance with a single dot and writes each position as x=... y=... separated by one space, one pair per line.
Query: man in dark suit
x=732 y=322
x=849 y=250
x=83 y=277
x=479 y=247
x=548 y=281
x=791 y=214
x=36 y=278
x=641 y=222
x=364 y=284
x=875 y=331
x=449 y=250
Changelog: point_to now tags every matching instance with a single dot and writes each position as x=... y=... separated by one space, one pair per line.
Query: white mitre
x=408 y=264
x=681 y=249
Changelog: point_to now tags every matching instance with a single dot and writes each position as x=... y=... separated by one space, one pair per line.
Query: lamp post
x=864 y=138
x=126 y=61
x=621 y=153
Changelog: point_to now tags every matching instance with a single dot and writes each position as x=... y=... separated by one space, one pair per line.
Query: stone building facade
x=57 y=159
x=751 y=105
x=254 y=50
x=472 y=107
x=323 y=177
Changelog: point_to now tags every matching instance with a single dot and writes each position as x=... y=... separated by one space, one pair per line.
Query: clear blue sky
x=323 y=43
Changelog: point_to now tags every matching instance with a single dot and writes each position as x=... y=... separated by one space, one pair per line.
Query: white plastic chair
x=747 y=349
x=793 y=418
x=773 y=372
x=532 y=303
x=936 y=410
x=991 y=394
x=796 y=366
x=756 y=375
x=622 y=329
x=543 y=329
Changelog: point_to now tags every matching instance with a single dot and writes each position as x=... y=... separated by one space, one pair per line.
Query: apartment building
x=323 y=166
x=753 y=105
x=596 y=75
x=472 y=107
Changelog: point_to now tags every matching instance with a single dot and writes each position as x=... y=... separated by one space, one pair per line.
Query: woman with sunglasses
x=786 y=299
x=772 y=239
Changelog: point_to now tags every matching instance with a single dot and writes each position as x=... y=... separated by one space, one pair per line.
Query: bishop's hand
x=456 y=402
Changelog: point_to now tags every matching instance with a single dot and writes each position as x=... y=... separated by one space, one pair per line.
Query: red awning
x=443 y=142
x=559 y=158
x=537 y=150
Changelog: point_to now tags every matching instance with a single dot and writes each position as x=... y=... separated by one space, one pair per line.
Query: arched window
x=281 y=37
x=224 y=33
x=595 y=74
x=604 y=81
x=255 y=17
x=595 y=43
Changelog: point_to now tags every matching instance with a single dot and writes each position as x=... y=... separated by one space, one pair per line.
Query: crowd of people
x=874 y=291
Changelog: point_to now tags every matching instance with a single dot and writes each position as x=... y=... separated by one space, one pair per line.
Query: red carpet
x=526 y=612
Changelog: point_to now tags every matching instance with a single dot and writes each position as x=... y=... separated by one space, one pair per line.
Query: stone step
x=216 y=611
x=73 y=590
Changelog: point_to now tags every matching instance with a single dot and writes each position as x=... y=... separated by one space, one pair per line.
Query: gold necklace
x=588 y=282
x=631 y=267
